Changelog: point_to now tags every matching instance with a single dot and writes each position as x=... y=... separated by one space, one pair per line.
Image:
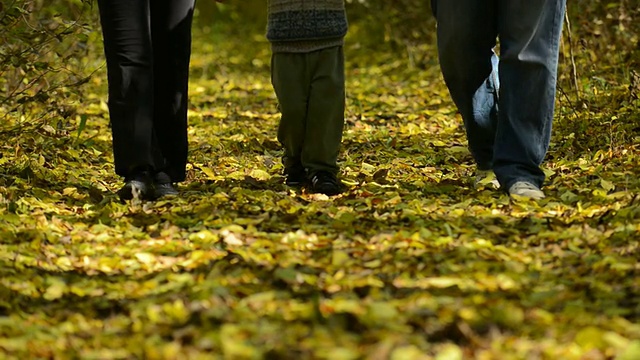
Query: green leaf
x=82 y=125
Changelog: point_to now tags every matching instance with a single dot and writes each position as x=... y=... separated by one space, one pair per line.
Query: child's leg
x=325 y=114
x=290 y=80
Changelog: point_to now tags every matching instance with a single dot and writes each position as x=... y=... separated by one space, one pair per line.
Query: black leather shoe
x=324 y=182
x=162 y=186
x=161 y=190
x=137 y=186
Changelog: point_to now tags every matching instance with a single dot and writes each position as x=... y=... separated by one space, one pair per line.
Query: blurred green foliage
x=44 y=59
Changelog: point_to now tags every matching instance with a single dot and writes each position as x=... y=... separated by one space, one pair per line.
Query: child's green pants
x=311 y=94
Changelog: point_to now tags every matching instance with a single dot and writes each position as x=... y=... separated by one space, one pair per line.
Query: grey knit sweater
x=306 y=25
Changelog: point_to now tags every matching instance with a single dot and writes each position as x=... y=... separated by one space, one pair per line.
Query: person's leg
x=171 y=40
x=467 y=32
x=325 y=114
x=290 y=79
x=127 y=45
x=529 y=44
x=325 y=120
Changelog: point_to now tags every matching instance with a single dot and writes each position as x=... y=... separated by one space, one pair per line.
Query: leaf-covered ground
x=412 y=262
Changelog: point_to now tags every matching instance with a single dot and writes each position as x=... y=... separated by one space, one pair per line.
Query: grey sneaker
x=138 y=186
x=526 y=189
x=486 y=178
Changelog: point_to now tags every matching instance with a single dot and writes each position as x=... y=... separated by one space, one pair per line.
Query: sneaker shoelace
x=324 y=178
x=527 y=186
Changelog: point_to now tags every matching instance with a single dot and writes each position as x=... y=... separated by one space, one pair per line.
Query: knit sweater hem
x=305 y=46
x=307 y=25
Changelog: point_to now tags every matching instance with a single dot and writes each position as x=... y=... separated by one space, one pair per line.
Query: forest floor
x=411 y=262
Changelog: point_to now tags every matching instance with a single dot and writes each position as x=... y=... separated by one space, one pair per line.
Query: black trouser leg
x=171 y=39
x=147 y=46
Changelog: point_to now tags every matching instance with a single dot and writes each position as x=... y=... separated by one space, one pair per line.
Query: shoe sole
x=295 y=184
x=528 y=196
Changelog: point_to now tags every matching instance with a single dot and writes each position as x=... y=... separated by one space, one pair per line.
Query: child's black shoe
x=296 y=176
x=324 y=182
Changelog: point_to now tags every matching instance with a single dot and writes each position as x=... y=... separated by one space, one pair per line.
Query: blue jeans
x=507 y=105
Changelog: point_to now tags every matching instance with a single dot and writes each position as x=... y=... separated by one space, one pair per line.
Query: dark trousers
x=147 y=44
x=311 y=93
